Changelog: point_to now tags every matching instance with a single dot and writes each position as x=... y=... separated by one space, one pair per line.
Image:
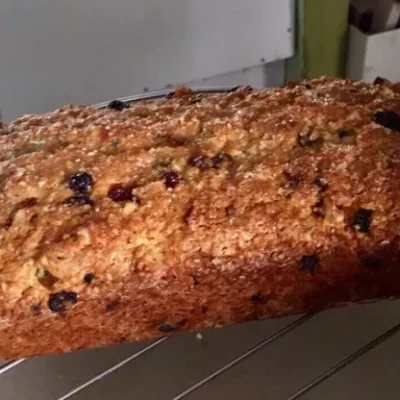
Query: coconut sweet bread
x=196 y=210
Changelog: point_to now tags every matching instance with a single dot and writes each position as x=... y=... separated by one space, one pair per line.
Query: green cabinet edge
x=320 y=39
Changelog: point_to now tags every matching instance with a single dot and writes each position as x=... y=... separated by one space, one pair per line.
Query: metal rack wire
x=293 y=327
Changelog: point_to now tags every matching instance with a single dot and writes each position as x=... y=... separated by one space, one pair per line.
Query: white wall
x=57 y=52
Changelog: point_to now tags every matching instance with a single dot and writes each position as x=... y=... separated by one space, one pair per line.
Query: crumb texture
x=196 y=210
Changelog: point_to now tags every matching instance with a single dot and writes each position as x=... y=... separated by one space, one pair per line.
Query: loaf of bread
x=195 y=211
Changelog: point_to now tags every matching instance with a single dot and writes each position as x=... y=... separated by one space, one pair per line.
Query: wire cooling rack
x=349 y=353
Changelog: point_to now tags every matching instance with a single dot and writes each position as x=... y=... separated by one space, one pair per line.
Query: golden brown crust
x=196 y=211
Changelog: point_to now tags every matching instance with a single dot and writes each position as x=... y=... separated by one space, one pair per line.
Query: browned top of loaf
x=225 y=176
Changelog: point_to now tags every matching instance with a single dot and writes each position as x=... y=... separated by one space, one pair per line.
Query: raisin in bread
x=195 y=211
